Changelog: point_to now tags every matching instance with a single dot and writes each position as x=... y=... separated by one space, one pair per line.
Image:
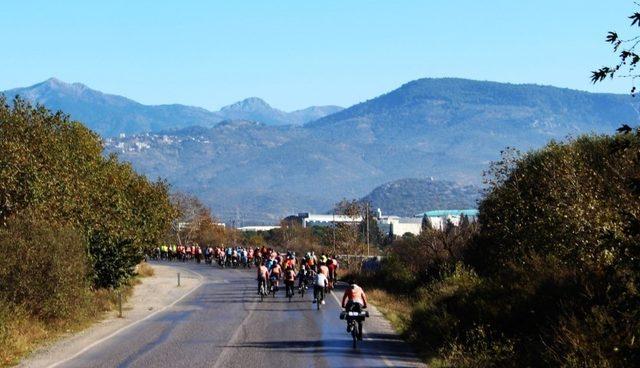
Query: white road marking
x=86 y=348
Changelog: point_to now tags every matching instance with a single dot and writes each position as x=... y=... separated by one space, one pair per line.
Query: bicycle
x=263 y=290
x=289 y=289
x=272 y=287
x=319 y=294
x=355 y=320
x=303 y=288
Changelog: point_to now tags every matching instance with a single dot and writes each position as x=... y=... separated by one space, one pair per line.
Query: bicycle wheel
x=354 y=334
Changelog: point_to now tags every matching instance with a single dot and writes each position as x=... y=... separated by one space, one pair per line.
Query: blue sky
x=304 y=52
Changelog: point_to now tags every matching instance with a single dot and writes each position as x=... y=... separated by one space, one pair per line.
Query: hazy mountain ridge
x=446 y=128
x=110 y=115
x=408 y=197
x=449 y=129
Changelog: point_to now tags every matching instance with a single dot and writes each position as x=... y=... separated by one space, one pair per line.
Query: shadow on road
x=375 y=345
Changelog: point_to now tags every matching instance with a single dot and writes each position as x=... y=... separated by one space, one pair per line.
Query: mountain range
x=259 y=164
x=111 y=115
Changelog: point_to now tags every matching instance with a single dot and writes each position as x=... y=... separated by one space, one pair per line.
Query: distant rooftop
x=443 y=213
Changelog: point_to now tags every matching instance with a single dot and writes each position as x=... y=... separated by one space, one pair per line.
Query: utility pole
x=367 y=220
x=333 y=227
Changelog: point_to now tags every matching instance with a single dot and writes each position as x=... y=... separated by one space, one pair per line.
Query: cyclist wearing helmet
x=319 y=287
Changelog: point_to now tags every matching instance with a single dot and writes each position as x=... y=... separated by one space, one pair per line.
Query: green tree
x=52 y=167
x=426 y=223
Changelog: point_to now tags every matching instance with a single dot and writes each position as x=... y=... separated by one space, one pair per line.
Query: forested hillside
x=408 y=197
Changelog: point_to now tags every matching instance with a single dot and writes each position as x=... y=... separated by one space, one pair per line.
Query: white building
x=439 y=218
x=309 y=219
x=258 y=228
x=399 y=226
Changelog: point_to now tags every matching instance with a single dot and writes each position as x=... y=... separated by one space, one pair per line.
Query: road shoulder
x=152 y=296
x=378 y=329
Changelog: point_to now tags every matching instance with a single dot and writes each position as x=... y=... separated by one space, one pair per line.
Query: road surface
x=223 y=324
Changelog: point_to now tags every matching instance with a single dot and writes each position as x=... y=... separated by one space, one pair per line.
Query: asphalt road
x=224 y=324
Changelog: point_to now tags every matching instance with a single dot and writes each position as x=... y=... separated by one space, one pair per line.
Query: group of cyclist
x=181 y=252
x=320 y=273
x=226 y=257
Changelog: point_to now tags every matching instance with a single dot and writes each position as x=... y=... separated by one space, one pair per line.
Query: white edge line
x=88 y=347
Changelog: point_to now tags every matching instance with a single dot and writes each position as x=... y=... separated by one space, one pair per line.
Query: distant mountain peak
x=55 y=84
x=248 y=104
x=54 y=81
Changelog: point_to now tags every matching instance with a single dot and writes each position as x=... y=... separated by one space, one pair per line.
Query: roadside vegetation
x=73 y=226
x=549 y=275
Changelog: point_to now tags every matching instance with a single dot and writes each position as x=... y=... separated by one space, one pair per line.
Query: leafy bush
x=560 y=234
x=551 y=277
x=394 y=275
x=436 y=317
x=44 y=268
x=54 y=167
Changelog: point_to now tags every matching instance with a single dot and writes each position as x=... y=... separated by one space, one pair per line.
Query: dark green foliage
x=112 y=260
x=426 y=224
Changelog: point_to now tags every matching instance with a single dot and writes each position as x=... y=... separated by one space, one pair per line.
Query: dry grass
x=397 y=309
x=18 y=333
x=145 y=270
x=21 y=333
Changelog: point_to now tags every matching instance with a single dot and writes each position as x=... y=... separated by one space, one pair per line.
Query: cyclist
x=302 y=274
x=250 y=256
x=323 y=269
x=172 y=252
x=319 y=287
x=354 y=300
x=263 y=276
x=275 y=274
x=332 y=264
x=310 y=261
x=181 y=252
x=290 y=261
x=289 y=279
x=189 y=252
x=198 y=253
